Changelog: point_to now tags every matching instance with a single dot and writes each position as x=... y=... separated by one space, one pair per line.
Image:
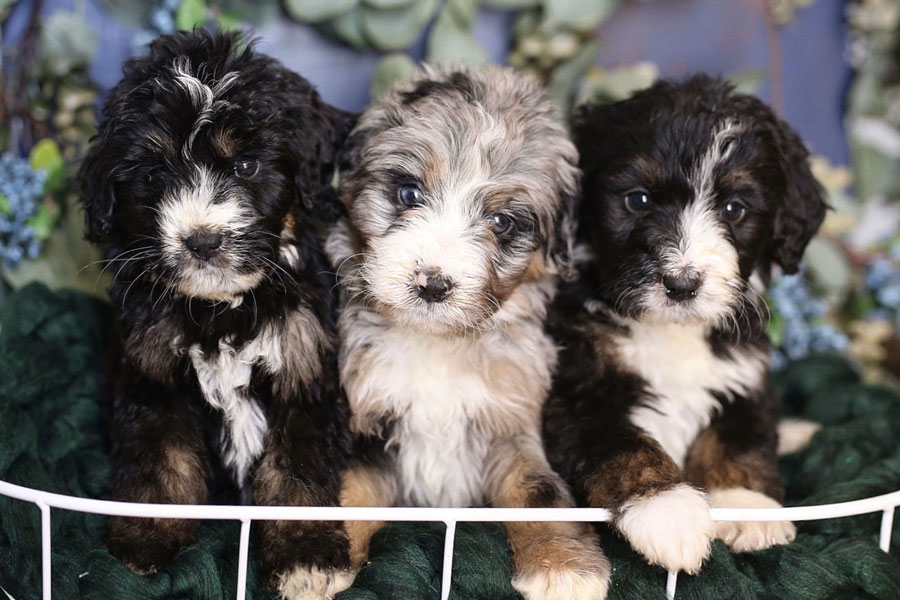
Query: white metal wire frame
x=449 y=516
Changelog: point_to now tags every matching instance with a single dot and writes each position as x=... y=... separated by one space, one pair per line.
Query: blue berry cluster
x=882 y=281
x=804 y=331
x=21 y=190
x=162 y=21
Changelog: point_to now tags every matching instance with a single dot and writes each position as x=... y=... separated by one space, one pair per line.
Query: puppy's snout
x=432 y=286
x=204 y=244
x=682 y=287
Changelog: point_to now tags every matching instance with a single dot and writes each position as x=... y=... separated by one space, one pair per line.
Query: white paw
x=795 y=434
x=673 y=528
x=313 y=583
x=748 y=536
x=568 y=569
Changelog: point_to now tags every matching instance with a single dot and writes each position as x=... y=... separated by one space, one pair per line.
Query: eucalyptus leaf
x=127 y=11
x=580 y=15
x=387 y=4
x=449 y=44
x=563 y=83
x=46 y=156
x=5 y=5
x=190 y=14
x=349 y=28
x=775 y=326
x=748 y=81
x=601 y=85
x=526 y=23
x=511 y=4
x=393 y=67
x=317 y=11
x=461 y=11
x=397 y=29
x=65 y=261
x=68 y=43
x=252 y=11
x=830 y=268
x=228 y=22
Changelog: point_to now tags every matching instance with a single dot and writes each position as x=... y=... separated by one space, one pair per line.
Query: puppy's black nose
x=681 y=287
x=432 y=286
x=204 y=244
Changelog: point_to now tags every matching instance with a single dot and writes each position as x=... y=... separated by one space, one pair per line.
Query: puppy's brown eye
x=501 y=224
x=246 y=167
x=411 y=195
x=733 y=212
x=638 y=201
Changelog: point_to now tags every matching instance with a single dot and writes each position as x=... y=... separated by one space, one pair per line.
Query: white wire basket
x=45 y=501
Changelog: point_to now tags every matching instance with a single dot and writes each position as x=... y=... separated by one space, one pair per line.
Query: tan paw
x=313 y=583
x=562 y=568
x=748 y=536
x=672 y=529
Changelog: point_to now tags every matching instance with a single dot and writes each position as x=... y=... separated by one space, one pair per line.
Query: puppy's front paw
x=313 y=583
x=145 y=545
x=562 y=568
x=673 y=528
x=748 y=536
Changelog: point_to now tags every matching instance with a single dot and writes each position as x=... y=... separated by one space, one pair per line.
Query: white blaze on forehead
x=720 y=149
x=702 y=246
x=702 y=241
x=203 y=97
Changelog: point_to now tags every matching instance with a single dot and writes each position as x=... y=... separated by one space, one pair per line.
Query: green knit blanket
x=52 y=432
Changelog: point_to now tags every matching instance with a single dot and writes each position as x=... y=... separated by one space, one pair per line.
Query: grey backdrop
x=681 y=36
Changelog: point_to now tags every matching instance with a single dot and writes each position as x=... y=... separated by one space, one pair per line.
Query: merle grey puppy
x=459 y=193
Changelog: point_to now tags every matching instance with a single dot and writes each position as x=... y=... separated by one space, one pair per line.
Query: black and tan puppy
x=662 y=404
x=202 y=186
x=459 y=192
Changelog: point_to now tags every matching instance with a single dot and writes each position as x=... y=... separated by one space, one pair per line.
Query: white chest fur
x=448 y=398
x=225 y=381
x=682 y=373
x=288 y=348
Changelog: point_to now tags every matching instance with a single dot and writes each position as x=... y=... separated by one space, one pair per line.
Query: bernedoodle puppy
x=662 y=405
x=202 y=185
x=459 y=190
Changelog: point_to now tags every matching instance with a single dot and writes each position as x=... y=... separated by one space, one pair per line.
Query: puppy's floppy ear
x=802 y=209
x=97 y=194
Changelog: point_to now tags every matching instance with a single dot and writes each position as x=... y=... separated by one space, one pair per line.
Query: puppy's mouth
x=692 y=299
x=215 y=283
x=436 y=306
x=205 y=266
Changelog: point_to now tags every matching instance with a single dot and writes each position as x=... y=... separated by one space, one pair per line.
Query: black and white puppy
x=661 y=405
x=202 y=185
x=459 y=189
